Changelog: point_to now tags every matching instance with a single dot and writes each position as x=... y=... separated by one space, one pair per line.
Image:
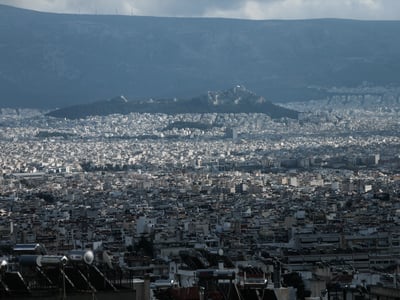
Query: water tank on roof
x=47 y=260
x=35 y=248
x=85 y=256
x=30 y=260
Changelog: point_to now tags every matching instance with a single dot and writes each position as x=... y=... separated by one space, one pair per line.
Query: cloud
x=306 y=9
x=247 y=9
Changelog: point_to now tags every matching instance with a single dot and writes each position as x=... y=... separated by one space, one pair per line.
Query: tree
x=145 y=245
x=294 y=279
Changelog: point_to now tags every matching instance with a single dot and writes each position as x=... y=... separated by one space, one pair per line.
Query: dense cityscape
x=135 y=163
x=308 y=206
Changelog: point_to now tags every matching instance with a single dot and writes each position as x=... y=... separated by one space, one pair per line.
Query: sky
x=243 y=9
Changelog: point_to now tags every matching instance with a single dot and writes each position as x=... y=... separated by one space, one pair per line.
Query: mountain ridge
x=53 y=60
x=235 y=100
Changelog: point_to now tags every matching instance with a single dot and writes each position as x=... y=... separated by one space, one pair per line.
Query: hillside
x=235 y=100
x=55 y=60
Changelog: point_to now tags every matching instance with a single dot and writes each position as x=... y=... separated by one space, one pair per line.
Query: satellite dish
x=220 y=252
